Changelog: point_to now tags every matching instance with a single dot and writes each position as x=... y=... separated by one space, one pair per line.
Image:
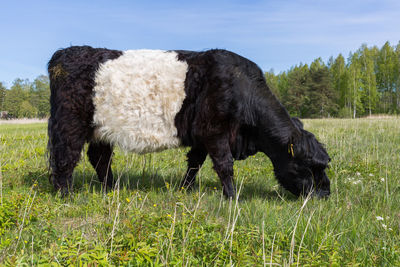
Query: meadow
x=147 y=220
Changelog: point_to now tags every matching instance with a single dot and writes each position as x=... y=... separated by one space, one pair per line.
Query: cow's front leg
x=221 y=156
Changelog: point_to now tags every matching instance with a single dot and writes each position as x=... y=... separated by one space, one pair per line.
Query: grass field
x=148 y=220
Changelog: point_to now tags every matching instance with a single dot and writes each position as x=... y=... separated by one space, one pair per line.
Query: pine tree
x=296 y=97
x=321 y=95
x=368 y=77
x=272 y=82
x=340 y=79
x=283 y=86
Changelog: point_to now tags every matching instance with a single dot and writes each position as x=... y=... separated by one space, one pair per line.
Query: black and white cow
x=215 y=101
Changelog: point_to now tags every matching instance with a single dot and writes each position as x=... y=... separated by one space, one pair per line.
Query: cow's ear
x=297 y=122
x=311 y=151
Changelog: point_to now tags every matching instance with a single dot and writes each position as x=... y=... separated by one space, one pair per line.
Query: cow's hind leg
x=221 y=156
x=195 y=158
x=100 y=155
x=66 y=140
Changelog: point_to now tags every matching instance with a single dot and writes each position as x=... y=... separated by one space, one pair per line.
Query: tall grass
x=148 y=220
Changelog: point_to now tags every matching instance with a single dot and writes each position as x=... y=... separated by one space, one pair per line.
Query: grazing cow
x=216 y=102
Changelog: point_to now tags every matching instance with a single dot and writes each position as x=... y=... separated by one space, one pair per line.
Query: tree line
x=25 y=99
x=366 y=83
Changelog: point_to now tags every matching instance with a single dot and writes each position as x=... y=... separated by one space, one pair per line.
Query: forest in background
x=26 y=99
x=366 y=83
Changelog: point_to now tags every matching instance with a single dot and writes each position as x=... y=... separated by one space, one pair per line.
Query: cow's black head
x=302 y=170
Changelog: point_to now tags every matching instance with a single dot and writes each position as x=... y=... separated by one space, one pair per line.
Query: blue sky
x=274 y=34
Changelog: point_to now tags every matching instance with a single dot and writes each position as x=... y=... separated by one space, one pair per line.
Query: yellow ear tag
x=291 y=150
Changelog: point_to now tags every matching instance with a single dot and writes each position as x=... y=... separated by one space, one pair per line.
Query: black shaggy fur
x=72 y=72
x=229 y=113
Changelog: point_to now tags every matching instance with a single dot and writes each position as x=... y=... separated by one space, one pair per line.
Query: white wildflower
x=379 y=218
x=358 y=174
x=357 y=182
x=382 y=179
x=384 y=226
x=371 y=174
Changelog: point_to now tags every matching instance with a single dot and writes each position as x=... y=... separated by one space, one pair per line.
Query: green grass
x=148 y=220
